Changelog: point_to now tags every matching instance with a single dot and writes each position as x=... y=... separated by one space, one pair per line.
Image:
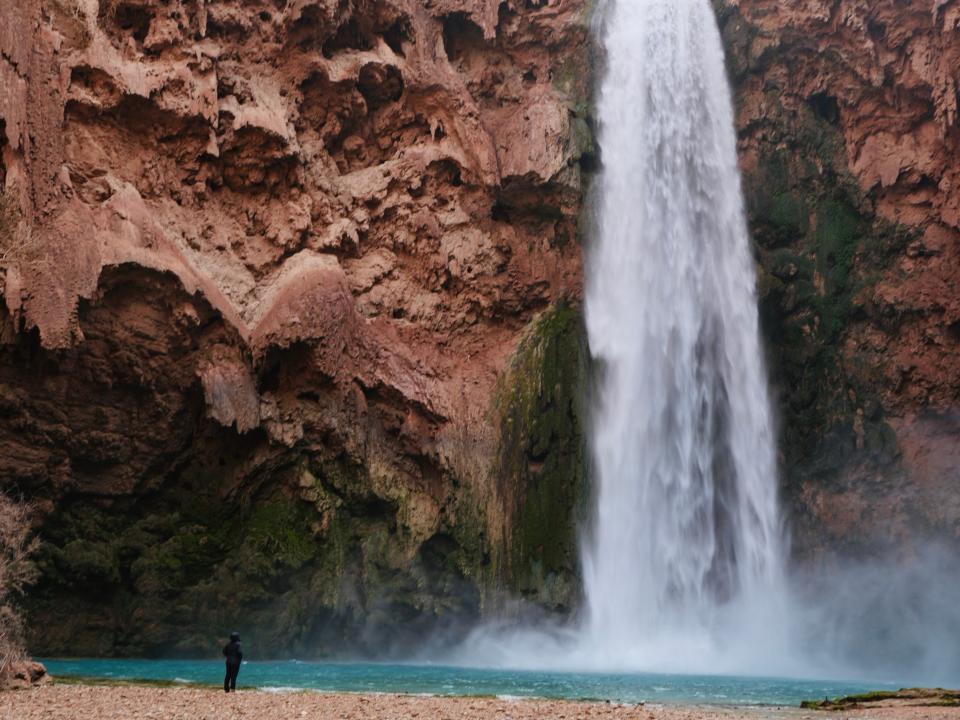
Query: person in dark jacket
x=234 y=656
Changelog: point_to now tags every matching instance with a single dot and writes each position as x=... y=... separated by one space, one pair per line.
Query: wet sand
x=83 y=702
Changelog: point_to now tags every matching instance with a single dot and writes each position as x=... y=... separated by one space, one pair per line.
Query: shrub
x=16 y=573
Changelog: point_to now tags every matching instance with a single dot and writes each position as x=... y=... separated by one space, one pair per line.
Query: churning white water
x=686 y=546
x=683 y=562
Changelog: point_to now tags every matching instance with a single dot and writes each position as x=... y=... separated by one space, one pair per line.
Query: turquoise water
x=456 y=681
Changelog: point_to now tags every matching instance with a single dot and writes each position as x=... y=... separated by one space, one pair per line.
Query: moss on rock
x=540 y=406
x=820 y=249
x=170 y=573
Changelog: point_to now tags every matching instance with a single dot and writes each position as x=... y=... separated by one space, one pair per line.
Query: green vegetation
x=164 y=575
x=913 y=697
x=276 y=529
x=540 y=405
x=312 y=562
x=820 y=249
x=809 y=238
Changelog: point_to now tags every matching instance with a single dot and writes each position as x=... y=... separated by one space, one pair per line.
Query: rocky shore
x=82 y=702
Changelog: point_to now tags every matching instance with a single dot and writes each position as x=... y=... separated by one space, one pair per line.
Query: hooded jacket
x=232 y=650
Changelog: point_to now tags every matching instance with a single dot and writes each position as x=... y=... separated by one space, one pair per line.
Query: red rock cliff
x=286 y=339
x=849 y=141
x=264 y=263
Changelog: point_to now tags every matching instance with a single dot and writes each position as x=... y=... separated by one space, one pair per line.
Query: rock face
x=24 y=675
x=290 y=340
x=264 y=264
x=849 y=142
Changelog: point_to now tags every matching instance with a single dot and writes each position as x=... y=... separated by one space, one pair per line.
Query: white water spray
x=687 y=543
x=684 y=562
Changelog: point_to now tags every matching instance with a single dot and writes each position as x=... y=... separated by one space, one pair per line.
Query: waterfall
x=684 y=558
x=683 y=562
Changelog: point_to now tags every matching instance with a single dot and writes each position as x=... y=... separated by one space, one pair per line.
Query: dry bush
x=17 y=241
x=108 y=8
x=69 y=7
x=16 y=572
x=77 y=28
x=10 y=237
x=79 y=8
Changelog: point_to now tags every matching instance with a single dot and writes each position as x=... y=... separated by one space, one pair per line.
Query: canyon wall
x=847 y=113
x=291 y=339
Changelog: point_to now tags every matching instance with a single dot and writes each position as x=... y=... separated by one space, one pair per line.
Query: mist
x=885 y=620
x=890 y=619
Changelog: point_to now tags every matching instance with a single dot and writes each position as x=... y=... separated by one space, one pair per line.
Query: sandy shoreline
x=86 y=702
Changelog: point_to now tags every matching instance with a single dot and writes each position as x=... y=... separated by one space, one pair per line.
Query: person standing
x=234 y=656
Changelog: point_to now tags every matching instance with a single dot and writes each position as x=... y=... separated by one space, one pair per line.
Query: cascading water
x=683 y=564
x=687 y=542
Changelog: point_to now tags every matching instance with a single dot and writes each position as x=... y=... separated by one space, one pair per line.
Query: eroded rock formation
x=290 y=336
x=264 y=264
x=849 y=143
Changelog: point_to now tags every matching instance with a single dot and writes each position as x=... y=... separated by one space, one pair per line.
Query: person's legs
x=226 y=680
x=233 y=677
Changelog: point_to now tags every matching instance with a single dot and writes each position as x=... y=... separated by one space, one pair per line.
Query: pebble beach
x=84 y=702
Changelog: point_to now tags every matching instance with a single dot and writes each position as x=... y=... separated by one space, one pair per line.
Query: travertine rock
x=850 y=143
x=321 y=225
x=265 y=263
